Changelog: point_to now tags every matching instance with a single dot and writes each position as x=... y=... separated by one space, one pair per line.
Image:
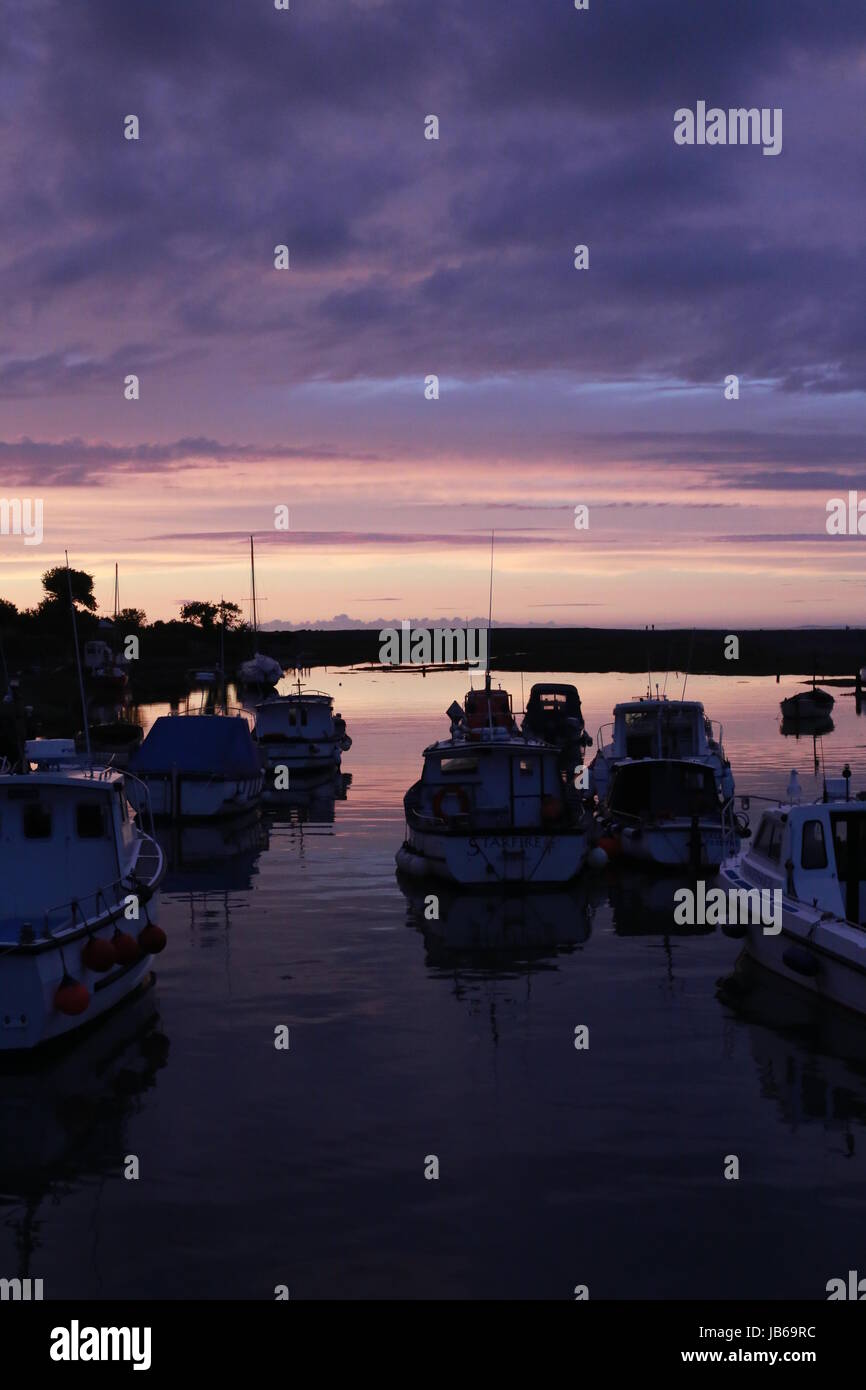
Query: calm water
x=557 y=1167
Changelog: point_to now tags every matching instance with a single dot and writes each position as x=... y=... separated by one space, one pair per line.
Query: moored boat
x=669 y=812
x=199 y=765
x=660 y=728
x=300 y=731
x=811 y=857
x=493 y=805
x=80 y=879
x=813 y=704
x=554 y=714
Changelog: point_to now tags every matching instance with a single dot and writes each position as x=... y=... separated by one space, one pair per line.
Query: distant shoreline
x=762 y=652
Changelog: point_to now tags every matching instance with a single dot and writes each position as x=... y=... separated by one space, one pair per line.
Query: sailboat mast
x=116 y=593
x=253 y=572
x=78 y=659
x=489 y=616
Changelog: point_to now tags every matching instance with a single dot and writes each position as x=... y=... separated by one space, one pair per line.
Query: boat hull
x=483 y=858
x=824 y=955
x=669 y=845
x=300 y=754
x=187 y=797
x=29 y=981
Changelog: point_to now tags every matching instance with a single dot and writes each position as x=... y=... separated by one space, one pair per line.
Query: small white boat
x=660 y=728
x=260 y=672
x=668 y=812
x=76 y=867
x=492 y=804
x=105 y=669
x=300 y=731
x=814 y=857
x=197 y=766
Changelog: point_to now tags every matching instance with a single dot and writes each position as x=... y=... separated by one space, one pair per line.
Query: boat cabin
x=815 y=853
x=553 y=710
x=661 y=729
x=63 y=836
x=494 y=784
x=307 y=716
x=489 y=709
x=663 y=791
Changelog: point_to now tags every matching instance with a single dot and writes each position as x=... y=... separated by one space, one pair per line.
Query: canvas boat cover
x=198 y=743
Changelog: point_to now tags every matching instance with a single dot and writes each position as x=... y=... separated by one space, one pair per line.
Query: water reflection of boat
x=64 y=1118
x=310 y=798
x=815 y=727
x=218 y=855
x=497 y=929
x=811 y=1058
x=643 y=904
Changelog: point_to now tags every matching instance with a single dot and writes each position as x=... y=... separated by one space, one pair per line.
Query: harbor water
x=411 y=1040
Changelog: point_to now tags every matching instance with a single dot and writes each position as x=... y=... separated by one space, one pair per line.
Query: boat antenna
x=116 y=592
x=78 y=658
x=489 y=616
x=649 y=674
x=688 y=665
x=253 y=572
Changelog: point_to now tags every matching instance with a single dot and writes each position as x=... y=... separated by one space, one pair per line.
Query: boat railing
x=600 y=737
x=81 y=912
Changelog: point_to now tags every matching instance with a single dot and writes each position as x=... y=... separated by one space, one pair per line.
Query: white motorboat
x=300 y=732
x=664 y=785
x=197 y=766
x=105 y=669
x=668 y=812
x=492 y=804
x=78 y=907
x=660 y=728
x=813 y=858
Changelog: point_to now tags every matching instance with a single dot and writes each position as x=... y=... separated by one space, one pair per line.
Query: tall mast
x=116 y=593
x=489 y=616
x=78 y=659
x=253 y=571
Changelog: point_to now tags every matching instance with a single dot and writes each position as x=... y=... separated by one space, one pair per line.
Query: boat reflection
x=311 y=799
x=643 y=904
x=64 y=1113
x=810 y=1056
x=495 y=931
x=216 y=856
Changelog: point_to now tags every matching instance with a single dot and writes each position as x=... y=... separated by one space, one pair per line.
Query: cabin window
x=89 y=821
x=814 y=852
x=526 y=767
x=769 y=841
x=303 y=716
x=452 y=766
x=36 y=822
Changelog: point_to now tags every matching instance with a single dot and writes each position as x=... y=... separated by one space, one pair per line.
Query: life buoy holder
x=461 y=796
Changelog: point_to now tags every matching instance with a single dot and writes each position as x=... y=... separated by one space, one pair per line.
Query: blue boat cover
x=218 y=744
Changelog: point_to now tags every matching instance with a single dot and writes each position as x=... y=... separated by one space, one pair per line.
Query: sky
x=304 y=388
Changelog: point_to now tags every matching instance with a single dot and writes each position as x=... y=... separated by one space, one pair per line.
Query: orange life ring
x=462 y=801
